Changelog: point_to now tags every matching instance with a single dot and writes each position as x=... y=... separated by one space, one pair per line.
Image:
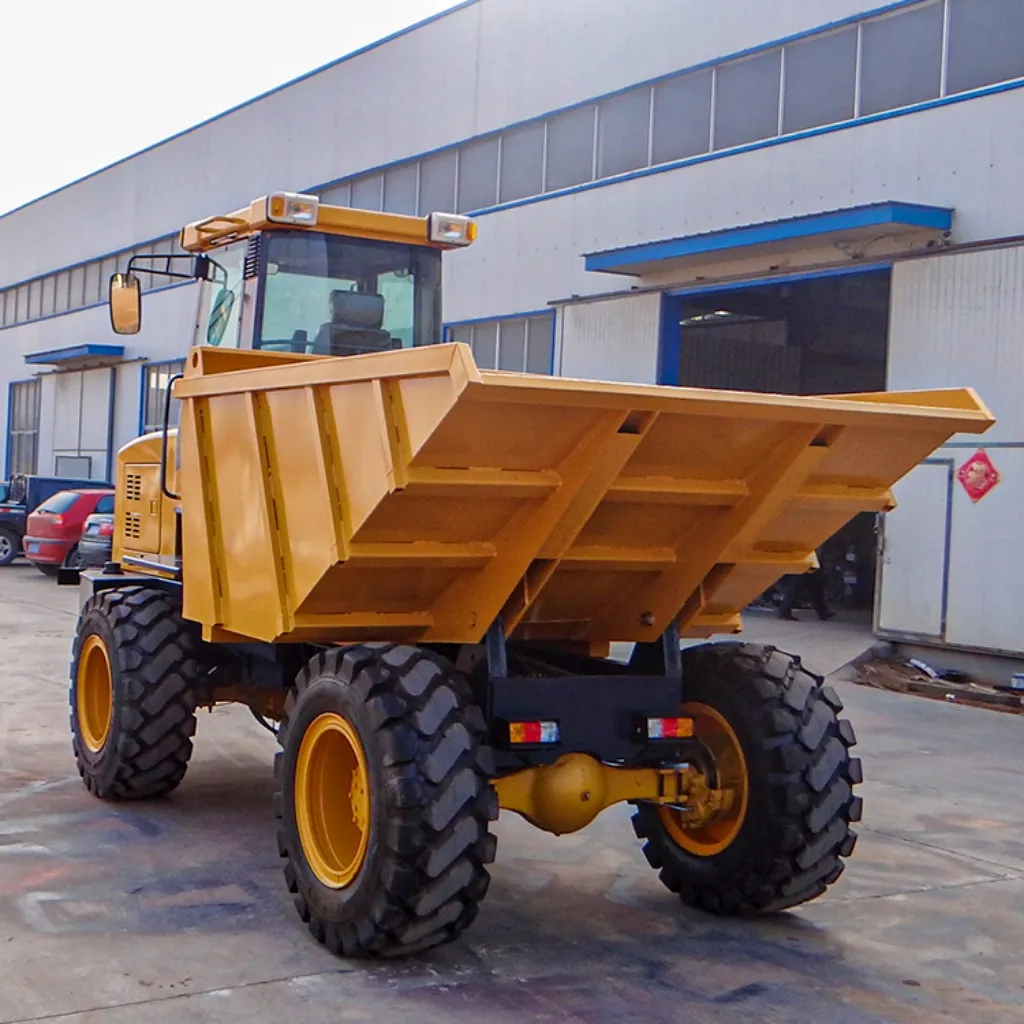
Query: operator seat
x=355 y=326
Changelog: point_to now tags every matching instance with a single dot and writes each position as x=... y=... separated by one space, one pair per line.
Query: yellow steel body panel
x=410 y=496
x=143 y=519
x=212 y=232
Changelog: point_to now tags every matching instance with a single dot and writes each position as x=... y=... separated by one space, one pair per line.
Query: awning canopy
x=854 y=225
x=78 y=357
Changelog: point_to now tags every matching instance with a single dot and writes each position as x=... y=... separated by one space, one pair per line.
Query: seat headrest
x=357 y=309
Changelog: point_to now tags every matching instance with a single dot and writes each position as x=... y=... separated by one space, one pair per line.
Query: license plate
x=33 y=549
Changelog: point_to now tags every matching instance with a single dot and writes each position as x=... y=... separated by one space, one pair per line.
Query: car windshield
x=333 y=295
x=60 y=502
x=105 y=504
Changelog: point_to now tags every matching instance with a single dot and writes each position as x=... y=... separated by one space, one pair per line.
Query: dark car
x=95 y=543
x=55 y=527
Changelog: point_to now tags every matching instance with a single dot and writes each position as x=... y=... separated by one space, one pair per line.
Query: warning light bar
x=669 y=728
x=533 y=732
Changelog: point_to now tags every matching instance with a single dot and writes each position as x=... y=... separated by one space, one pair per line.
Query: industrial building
x=794 y=197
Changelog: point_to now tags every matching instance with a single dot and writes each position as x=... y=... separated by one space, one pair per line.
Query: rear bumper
x=95 y=551
x=47 y=550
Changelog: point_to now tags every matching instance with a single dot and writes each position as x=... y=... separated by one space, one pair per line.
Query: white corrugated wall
x=959 y=320
x=611 y=339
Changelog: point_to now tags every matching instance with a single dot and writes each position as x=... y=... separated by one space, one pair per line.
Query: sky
x=86 y=82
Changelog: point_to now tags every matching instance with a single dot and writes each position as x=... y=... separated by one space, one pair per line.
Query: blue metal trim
x=750 y=147
x=554 y=341
x=79 y=309
x=669 y=339
x=61 y=355
x=494 y=319
x=263 y=95
x=854 y=217
x=112 y=392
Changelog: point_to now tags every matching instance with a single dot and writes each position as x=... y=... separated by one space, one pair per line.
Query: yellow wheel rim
x=717 y=833
x=332 y=800
x=94 y=693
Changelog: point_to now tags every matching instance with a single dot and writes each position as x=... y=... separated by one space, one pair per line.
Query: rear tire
x=133 y=741
x=796 y=830
x=10 y=546
x=410 y=872
x=73 y=559
x=47 y=570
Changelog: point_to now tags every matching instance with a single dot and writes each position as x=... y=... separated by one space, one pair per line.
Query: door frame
x=891 y=634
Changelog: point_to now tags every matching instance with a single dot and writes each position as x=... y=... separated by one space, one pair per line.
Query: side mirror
x=125 y=304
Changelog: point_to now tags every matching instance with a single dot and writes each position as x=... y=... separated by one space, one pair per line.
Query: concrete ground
x=176 y=911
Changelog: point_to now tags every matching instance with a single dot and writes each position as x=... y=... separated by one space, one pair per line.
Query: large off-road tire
x=383 y=800
x=133 y=673
x=785 y=841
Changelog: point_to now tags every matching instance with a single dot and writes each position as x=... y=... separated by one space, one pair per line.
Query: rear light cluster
x=533 y=733
x=669 y=728
x=106 y=530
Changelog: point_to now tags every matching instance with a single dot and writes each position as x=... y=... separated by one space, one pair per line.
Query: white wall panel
x=612 y=339
x=957 y=321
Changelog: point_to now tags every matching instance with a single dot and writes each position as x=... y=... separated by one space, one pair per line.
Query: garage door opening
x=825 y=335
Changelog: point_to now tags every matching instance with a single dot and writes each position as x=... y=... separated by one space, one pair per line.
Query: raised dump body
x=412 y=497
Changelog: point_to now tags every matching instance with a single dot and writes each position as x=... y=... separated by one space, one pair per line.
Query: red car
x=54 y=528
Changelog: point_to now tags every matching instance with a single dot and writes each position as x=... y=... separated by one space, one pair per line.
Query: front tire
x=383 y=800
x=776 y=727
x=133 y=671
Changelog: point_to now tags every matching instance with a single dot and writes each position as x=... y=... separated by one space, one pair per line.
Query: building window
x=985 y=43
x=570 y=159
x=519 y=344
x=747 y=100
x=400 y=187
x=623 y=132
x=437 y=183
x=522 y=163
x=682 y=116
x=367 y=192
x=821 y=77
x=23 y=427
x=155 y=378
x=901 y=59
x=478 y=175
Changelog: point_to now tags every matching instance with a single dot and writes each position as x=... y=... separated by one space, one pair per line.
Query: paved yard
x=176 y=911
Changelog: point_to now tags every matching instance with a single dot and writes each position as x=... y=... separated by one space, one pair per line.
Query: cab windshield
x=333 y=295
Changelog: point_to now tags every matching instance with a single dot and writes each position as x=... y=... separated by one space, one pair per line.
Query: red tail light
x=106 y=529
x=57 y=520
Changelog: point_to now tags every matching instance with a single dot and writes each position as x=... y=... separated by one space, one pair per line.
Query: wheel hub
x=332 y=800
x=94 y=686
x=714 y=812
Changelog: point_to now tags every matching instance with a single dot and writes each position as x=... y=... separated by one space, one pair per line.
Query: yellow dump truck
x=412 y=571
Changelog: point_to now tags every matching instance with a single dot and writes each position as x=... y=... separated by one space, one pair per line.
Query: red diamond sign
x=978 y=476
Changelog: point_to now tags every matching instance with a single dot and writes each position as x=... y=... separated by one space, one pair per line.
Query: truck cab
x=289 y=274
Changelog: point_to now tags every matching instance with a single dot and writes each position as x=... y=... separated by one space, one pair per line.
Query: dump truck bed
x=411 y=496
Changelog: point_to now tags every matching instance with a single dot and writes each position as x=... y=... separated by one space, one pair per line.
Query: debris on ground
x=900 y=676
